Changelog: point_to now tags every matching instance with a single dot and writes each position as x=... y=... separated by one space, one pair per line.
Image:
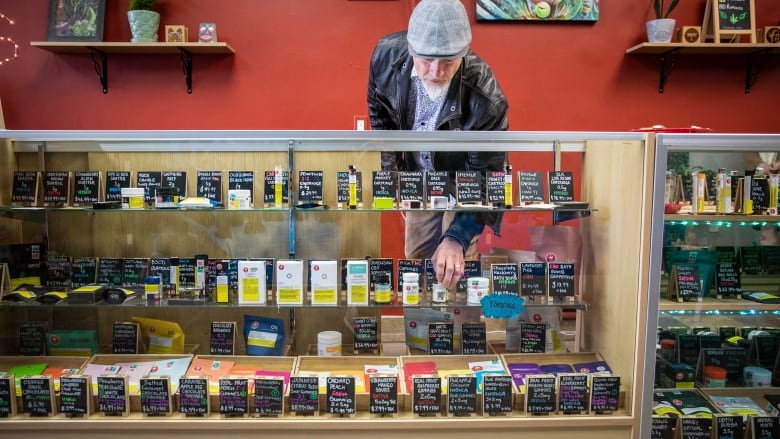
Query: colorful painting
x=76 y=20
x=538 y=10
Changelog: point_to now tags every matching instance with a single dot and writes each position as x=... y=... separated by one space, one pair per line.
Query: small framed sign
x=194 y=396
x=38 y=395
x=383 y=394
x=113 y=395
x=222 y=338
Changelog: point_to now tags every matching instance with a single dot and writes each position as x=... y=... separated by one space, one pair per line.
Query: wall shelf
x=756 y=55
x=99 y=51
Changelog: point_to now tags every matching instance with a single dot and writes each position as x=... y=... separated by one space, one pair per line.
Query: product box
x=324 y=277
x=289 y=282
x=357 y=283
x=132 y=198
x=251 y=283
x=678 y=376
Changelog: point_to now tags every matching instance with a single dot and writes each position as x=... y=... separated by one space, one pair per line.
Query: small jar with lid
x=411 y=288
x=383 y=290
x=714 y=377
x=667 y=349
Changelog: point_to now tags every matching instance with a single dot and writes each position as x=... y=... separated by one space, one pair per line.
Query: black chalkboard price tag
x=409 y=266
x=125 y=338
x=505 y=279
x=24 y=187
x=687 y=347
x=150 y=181
x=685 y=283
x=561 y=184
x=156 y=395
x=426 y=395
x=304 y=395
x=233 y=396
x=471 y=268
x=461 y=395
x=76 y=395
x=340 y=391
x=58 y=271
x=561 y=277
x=242 y=180
x=468 y=187
x=750 y=259
x=495 y=181
x=764 y=427
x=56 y=188
x=759 y=194
x=496 y=394
x=728 y=426
x=662 y=427
x=134 y=272
x=310 y=186
x=473 y=338
x=86 y=187
x=764 y=350
x=269 y=187
x=384 y=184
x=770 y=258
x=531 y=187
x=110 y=271
x=269 y=396
x=437 y=184
x=733 y=359
x=383 y=394
x=113 y=395
x=38 y=395
x=728 y=280
x=366 y=334
x=377 y=269
x=572 y=393
x=604 y=393
x=440 y=338
x=222 y=338
x=694 y=427
x=194 y=396
x=533 y=338
x=176 y=180
x=209 y=185
x=342 y=187
x=533 y=279
x=410 y=186
x=115 y=181
x=83 y=271
x=32 y=338
x=7 y=396
x=540 y=394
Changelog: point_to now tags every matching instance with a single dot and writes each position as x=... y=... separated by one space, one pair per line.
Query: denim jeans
x=424 y=231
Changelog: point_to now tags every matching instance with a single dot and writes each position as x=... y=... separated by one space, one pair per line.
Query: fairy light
x=4 y=39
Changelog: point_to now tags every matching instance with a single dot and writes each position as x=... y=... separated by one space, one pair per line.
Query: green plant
x=658 y=7
x=142 y=5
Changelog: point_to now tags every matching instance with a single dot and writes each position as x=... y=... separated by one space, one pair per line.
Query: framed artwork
x=538 y=10
x=76 y=20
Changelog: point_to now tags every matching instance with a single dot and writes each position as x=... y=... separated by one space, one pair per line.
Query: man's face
x=436 y=72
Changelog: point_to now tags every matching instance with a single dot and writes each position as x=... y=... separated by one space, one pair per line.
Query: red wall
x=303 y=65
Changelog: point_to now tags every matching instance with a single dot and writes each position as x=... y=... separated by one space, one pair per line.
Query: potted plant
x=144 y=20
x=661 y=29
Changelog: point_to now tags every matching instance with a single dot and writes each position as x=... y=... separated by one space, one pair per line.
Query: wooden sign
x=269 y=396
x=86 y=188
x=156 y=395
x=684 y=282
x=194 y=396
x=468 y=187
x=310 y=186
x=505 y=279
x=495 y=191
x=572 y=393
x=441 y=337
x=83 y=271
x=694 y=427
x=437 y=184
x=113 y=394
x=728 y=18
x=58 y=272
x=366 y=334
x=561 y=278
x=385 y=185
x=728 y=426
x=728 y=280
x=473 y=338
x=342 y=187
x=233 y=396
x=663 y=427
x=24 y=187
x=222 y=340
x=540 y=394
x=410 y=186
x=134 y=272
x=115 y=182
x=561 y=184
x=383 y=394
x=496 y=394
x=7 y=396
x=150 y=181
x=461 y=395
x=56 y=188
x=209 y=185
x=426 y=395
x=533 y=338
x=32 y=338
x=533 y=279
x=304 y=395
x=764 y=427
x=531 y=187
x=604 y=393
x=176 y=180
x=340 y=395
x=38 y=395
x=125 y=338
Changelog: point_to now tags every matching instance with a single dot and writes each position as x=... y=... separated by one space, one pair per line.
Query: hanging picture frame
x=76 y=20
x=538 y=10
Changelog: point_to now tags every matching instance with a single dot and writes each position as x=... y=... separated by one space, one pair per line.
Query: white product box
x=357 y=283
x=289 y=282
x=324 y=277
x=251 y=283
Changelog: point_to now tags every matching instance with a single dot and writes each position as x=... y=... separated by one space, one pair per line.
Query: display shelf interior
x=714 y=304
x=219 y=48
x=703 y=48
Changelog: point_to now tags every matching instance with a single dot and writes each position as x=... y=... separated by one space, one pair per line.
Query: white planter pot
x=144 y=26
x=660 y=30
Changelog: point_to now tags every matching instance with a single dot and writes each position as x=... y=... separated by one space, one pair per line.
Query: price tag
x=38 y=395
x=461 y=395
x=134 y=272
x=496 y=394
x=495 y=181
x=150 y=181
x=533 y=338
x=728 y=279
x=729 y=426
x=25 y=187
x=604 y=393
x=764 y=427
x=32 y=338
x=468 y=187
x=385 y=184
x=304 y=395
x=426 y=395
x=473 y=338
x=115 y=181
x=663 y=427
x=223 y=338
x=561 y=279
x=505 y=279
x=572 y=392
x=58 y=271
x=342 y=186
x=269 y=396
x=242 y=180
x=340 y=391
x=310 y=186
x=561 y=184
x=210 y=185
x=410 y=186
x=113 y=394
x=440 y=338
x=539 y=394
x=56 y=187
x=694 y=427
x=383 y=394
x=233 y=396
x=156 y=395
x=437 y=184
x=531 y=186
x=83 y=271
x=125 y=338
x=110 y=271
x=7 y=396
x=269 y=187
x=533 y=279
x=366 y=333
x=194 y=396
x=86 y=187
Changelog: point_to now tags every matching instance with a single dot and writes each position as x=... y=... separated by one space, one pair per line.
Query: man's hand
x=448 y=262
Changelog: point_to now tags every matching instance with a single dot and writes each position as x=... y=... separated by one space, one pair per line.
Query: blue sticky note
x=502 y=306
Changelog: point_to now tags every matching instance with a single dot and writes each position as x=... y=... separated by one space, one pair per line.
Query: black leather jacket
x=474 y=102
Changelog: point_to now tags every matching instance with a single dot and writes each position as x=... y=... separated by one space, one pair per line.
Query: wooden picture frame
x=76 y=20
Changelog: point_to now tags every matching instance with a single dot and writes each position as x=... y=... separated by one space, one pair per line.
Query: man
x=427 y=79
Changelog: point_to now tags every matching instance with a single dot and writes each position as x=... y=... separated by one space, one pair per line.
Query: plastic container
x=329 y=344
x=383 y=292
x=667 y=349
x=439 y=294
x=754 y=376
x=714 y=377
x=477 y=288
x=411 y=288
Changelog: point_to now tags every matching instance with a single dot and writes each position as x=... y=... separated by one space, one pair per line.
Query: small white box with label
x=289 y=282
x=357 y=282
x=324 y=277
x=251 y=283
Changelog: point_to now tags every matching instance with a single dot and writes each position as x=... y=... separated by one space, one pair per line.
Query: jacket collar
x=451 y=110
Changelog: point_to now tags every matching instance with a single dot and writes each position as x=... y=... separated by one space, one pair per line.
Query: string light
x=4 y=39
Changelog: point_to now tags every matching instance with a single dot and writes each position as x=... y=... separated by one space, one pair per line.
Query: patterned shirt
x=425 y=105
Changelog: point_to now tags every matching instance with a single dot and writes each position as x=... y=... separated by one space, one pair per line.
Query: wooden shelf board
x=702 y=48
x=713 y=304
x=721 y=217
x=81 y=47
